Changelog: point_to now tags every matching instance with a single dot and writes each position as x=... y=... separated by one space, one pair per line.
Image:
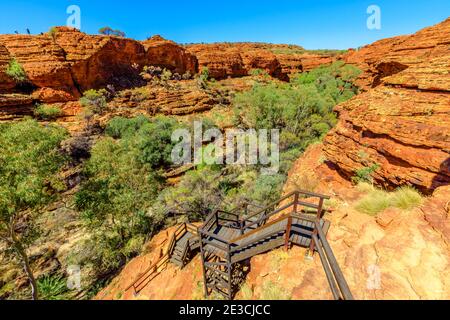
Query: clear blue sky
x=314 y=24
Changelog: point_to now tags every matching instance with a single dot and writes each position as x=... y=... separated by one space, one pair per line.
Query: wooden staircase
x=184 y=247
x=182 y=244
x=228 y=239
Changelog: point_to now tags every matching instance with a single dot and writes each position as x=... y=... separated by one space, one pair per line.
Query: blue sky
x=314 y=24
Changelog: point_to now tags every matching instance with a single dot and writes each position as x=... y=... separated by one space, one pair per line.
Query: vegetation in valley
x=121 y=180
x=291 y=50
x=29 y=166
x=302 y=109
x=123 y=196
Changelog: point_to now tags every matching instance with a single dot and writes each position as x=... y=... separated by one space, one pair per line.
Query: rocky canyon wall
x=401 y=125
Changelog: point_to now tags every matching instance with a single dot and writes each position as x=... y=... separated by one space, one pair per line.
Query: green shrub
x=258 y=72
x=53 y=33
x=267 y=188
x=203 y=77
x=166 y=75
x=365 y=174
x=246 y=291
x=119 y=127
x=46 y=112
x=94 y=100
x=52 y=287
x=16 y=71
x=110 y=32
x=198 y=193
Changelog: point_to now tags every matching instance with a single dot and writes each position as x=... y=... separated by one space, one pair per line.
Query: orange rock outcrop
x=62 y=65
x=402 y=124
x=225 y=60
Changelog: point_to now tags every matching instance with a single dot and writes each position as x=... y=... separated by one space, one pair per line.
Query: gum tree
x=29 y=163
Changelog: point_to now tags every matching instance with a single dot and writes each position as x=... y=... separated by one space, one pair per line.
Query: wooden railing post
x=320 y=209
x=294 y=210
x=288 y=233
x=216 y=215
x=317 y=225
x=202 y=254
x=229 y=266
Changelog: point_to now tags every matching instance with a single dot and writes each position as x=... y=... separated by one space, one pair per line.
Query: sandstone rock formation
x=235 y=59
x=389 y=56
x=238 y=59
x=395 y=255
x=62 y=65
x=175 y=98
x=403 y=123
x=168 y=54
x=296 y=63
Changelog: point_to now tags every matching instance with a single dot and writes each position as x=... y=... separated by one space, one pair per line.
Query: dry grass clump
x=377 y=200
x=306 y=181
x=272 y=291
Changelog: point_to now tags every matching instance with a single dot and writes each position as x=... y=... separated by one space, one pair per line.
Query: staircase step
x=177 y=250
x=176 y=262
x=177 y=255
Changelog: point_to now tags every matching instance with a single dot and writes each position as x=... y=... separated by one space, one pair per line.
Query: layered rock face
x=42 y=59
x=389 y=56
x=296 y=63
x=167 y=54
x=177 y=98
x=236 y=60
x=402 y=124
x=62 y=65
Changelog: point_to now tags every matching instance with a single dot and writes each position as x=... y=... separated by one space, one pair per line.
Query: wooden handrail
x=331 y=259
x=271 y=205
x=248 y=234
x=229 y=213
x=265 y=217
x=209 y=218
x=293 y=193
x=326 y=267
x=215 y=236
x=161 y=261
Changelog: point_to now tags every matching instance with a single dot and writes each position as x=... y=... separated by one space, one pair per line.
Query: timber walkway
x=228 y=239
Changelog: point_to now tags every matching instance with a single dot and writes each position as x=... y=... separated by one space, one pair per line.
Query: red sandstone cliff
x=61 y=66
x=238 y=59
x=403 y=123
